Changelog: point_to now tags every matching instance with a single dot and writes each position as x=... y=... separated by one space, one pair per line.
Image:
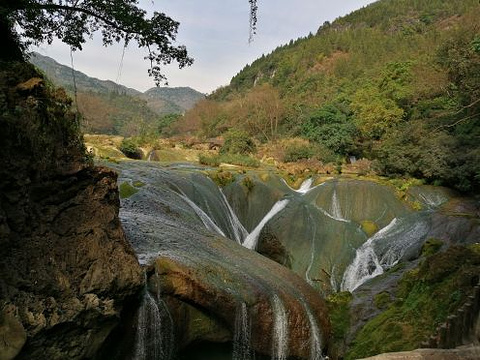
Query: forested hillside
x=397 y=82
x=111 y=108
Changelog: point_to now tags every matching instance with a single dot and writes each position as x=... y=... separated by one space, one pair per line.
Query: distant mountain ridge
x=112 y=108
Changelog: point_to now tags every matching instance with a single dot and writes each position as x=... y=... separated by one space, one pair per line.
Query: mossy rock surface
x=126 y=190
x=426 y=295
x=369 y=227
x=431 y=246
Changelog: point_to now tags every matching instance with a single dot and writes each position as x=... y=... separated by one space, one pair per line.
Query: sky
x=215 y=33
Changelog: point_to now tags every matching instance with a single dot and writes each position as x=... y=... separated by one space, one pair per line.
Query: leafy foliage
x=332 y=128
x=237 y=142
x=130 y=149
x=73 y=22
x=396 y=82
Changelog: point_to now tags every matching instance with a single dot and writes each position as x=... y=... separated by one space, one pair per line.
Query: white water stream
x=280 y=329
x=315 y=337
x=365 y=265
x=252 y=238
x=242 y=349
x=335 y=209
x=383 y=250
x=305 y=187
x=206 y=220
x=148 y=344
x=238 y=229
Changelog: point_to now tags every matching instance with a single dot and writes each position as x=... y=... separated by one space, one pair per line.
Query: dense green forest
x=397 y=82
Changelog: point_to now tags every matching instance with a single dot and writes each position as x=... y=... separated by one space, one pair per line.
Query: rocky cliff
x=66 y=269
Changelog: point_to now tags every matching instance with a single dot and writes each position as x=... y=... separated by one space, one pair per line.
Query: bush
x=238 y=142
x=297 y=152
x=208 y=160
x=235 y=159
x=331 y=128
x=221 y=178
x=130 y=149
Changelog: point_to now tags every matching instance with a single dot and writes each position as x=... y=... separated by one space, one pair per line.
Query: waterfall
x=305 y=187
x=333 y=279
x=433 y=200
x=239 y=231
x=312 y=252
x=366 y=264
x=336 y=210
x=252 y=238
x=315 y=337
x=148 y=344
x=280 y=330
x=402 y=237
x=154 y=338
x=206 y=220
x=150 y=155
x=241 y=340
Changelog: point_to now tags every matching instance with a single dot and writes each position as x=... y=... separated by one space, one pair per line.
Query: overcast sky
x=216 y=35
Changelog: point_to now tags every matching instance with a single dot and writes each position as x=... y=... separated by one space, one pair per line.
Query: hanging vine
x=253 y=19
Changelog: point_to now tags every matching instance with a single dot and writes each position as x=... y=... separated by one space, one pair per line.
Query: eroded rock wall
x=66 y=268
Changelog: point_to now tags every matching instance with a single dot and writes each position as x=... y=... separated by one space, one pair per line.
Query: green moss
x=248 y=183
x=138 y=184
x=431 y=246
x=382 y=300
x=416 y=205
x=221 y=178
x=338 y=305
x=426 y=296
x=126 y=190
x=369 y=227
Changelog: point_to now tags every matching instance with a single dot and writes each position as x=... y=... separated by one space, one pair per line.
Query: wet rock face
x=209 y=310
x=66 y=269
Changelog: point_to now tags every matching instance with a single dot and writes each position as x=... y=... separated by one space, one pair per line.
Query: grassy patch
x=235 y=159
x=126 y=190
x=426 y=295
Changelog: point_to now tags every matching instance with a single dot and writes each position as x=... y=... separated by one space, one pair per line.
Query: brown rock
x=65 y=265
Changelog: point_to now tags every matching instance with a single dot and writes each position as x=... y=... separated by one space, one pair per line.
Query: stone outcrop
x=217 y=291
x=461 y=353
x=66 y=269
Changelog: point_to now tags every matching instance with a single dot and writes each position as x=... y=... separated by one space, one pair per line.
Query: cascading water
x=242 y=349
x=154 y=332
x=365 y=266
x=165 y=225
x=280 y=329
x=433 y=200
x=148 y=344
x=312 y=252
x=304 y=188
x=252 y=238
x=315 y=337
x=238 y=229
x=206 y=220
x=384 y=249
x=335 y=209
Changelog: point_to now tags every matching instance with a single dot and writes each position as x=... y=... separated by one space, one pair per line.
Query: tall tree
x=26 y=22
